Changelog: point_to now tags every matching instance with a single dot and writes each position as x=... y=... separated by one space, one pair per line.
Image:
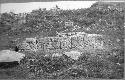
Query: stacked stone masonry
x=48 y=44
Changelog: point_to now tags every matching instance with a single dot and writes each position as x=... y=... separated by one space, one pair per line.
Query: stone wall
x=49 y=44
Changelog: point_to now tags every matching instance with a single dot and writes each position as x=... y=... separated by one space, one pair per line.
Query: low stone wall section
x=49 y=44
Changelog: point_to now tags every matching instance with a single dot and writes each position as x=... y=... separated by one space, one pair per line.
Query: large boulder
x=10 y=56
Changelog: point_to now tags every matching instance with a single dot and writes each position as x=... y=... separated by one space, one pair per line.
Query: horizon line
x=28 y=7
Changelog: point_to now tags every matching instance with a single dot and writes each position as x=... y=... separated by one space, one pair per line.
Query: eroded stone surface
x=82 y=41
x=10 y=56
x=73 y=54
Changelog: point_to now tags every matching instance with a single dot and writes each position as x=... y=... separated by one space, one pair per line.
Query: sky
x=29 y=6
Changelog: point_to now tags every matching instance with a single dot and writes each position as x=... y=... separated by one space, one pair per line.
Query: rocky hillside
x=101 y=18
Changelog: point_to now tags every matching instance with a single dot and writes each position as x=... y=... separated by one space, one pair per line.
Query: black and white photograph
x=62 y=39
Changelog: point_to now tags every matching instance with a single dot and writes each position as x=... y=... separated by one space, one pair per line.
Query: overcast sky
x=29 y=6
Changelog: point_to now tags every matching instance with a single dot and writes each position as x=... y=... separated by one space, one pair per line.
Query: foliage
x=100 y=18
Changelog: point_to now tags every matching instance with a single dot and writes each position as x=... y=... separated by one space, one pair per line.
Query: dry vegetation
x=101 y=18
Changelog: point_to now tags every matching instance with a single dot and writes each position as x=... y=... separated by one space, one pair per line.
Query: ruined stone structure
x=85 y=42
